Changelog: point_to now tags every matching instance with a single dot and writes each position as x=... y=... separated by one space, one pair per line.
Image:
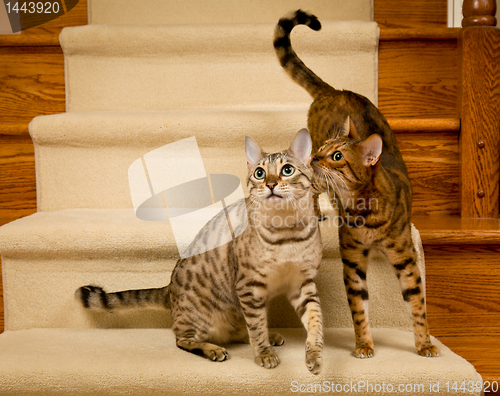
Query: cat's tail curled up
x=299 y=72
x=95 y=298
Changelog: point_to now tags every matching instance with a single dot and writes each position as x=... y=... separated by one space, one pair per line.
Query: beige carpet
x=147 y=362
x=220 y=66
x=143 y=75
x=114 y=249
x=173 y=12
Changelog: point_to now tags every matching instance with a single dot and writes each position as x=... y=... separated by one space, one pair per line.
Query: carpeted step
x=82 y=159
x=172 y=12
x=48 y=255
x=210 y=66
x=147 y=362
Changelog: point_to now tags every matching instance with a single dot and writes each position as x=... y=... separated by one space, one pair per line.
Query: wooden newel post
x=479 y=108
x=479 y=13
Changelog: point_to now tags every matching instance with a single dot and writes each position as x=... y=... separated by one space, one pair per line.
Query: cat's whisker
x=295 y=203
x=339 y=178
x=253 y=201
x=331 y=182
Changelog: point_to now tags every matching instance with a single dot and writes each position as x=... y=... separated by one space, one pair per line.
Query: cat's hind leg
x=403 y=257
x=206 y=349
x=276 y=339
x=194 y=333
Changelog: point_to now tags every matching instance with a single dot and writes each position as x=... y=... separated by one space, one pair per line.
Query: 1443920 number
x=470 y=386
x=33 y=8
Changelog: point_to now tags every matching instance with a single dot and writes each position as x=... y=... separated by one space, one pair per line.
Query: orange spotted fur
x=358 y=161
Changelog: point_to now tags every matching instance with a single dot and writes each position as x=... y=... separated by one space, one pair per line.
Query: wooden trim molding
x=419 y=34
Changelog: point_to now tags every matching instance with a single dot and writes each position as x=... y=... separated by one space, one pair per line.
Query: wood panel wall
x=475 y=309
x=32 y=80
x=411 y=13
x=418 y=77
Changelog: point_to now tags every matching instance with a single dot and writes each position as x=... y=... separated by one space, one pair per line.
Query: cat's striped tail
x=95 y=298
x=299 y=72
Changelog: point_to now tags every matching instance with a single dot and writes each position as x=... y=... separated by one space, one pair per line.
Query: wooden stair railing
x=479 y=110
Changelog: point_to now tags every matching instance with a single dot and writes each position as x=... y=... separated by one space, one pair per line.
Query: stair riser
x=147 y=12
x=41 y=294
x=83 y=162
x=224 y=66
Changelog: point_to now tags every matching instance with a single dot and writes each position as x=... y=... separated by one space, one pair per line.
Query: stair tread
x=99 y=128
x=49 y=36
x=100 y=232
x=95 y=223
x=86 y=361
x=399 y=34
x=398 y=124
x=185 y=39
x=433 y=229
x=480 y=351
x=443 y=230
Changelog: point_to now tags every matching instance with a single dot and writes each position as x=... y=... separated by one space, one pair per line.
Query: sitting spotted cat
x=220 y=296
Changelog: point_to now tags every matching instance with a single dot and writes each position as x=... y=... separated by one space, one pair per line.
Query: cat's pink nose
x=271 y=185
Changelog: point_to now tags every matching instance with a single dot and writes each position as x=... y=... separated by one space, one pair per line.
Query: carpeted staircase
x=136 y=81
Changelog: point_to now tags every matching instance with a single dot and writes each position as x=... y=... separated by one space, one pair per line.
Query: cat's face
x=283 y=179
x=345 y=163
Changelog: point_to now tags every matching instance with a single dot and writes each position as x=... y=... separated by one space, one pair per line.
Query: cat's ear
x=371 y=148
x=253 y=151
x=349 y=129
x=302 y=146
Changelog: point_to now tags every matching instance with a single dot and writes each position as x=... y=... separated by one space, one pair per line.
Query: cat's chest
x=297 y=253
x=283 y=278
x=287 y=265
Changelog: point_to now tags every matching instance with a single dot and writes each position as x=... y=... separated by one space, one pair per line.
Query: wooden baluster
x=479 y=107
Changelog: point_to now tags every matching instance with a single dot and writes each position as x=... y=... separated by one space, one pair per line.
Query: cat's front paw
x=314 y=361
x=428 y=351
x=267 y=360
x=364 y=352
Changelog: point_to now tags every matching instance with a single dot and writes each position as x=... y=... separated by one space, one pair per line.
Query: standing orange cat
x=358 y=160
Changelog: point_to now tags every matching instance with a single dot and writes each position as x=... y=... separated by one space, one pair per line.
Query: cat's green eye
x=259 y=173
x=337 y=156
x=287 y=170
